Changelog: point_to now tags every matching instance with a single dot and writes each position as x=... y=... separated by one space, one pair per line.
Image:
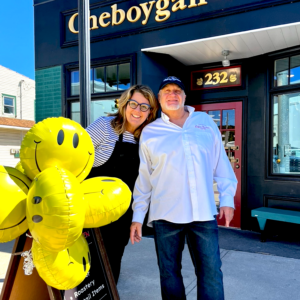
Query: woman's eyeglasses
x=134 y=104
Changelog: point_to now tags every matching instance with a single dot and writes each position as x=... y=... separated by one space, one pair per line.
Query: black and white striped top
x=104 y=139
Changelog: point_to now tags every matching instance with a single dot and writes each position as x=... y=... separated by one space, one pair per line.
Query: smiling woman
x=115 y=139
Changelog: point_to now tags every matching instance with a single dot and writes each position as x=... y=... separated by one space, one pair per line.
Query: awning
x=241 y=45
x=15 y=127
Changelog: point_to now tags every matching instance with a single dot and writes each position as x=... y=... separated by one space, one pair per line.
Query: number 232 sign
x=216 y=78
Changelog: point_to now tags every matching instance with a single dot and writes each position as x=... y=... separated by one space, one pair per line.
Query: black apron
x=123 y=164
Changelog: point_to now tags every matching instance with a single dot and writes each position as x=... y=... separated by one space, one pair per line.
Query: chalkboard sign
x=98 y=285
x=99 y=282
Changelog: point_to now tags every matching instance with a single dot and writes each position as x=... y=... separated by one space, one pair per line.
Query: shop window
x=286 y=137
x=99 y=80
x=287 y=71
x=124 y=76
x=75 y=83
x=104 y=79
x=99 y=108
x=75 y=111
x=9 y=105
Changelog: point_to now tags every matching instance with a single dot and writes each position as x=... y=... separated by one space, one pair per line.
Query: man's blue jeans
x=202 y=240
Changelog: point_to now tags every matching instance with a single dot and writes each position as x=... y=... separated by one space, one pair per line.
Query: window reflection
x=104 y=79
x=281 y=74
x=111 y=79
x=99 y=108
x=8 y=105
x=75 y=112
x=99 y=80
x=228 y=138
x=295 y=70
x=228 y=119
x=286 y=138
x=216 y=116
x=75 y=83
x=124 y=76
x=216 y=195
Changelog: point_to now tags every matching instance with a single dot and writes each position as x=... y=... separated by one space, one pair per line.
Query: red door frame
x=237 y=167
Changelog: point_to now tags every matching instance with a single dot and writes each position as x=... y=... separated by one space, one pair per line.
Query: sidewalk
x=5 y=251
x=248 y=275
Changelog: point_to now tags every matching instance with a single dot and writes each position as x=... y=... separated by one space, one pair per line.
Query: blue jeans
x=202 y=240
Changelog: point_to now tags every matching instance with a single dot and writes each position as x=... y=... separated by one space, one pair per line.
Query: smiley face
x=13 y=189
x=55 y=209
x=57 y=142
x=107 y=199
x=66 y=269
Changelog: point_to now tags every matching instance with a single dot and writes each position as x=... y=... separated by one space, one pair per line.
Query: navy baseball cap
x=171 y=79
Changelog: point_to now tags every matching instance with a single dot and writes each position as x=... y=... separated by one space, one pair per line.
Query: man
x=181 y=154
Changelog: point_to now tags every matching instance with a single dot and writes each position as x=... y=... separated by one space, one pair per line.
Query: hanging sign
x=216 y=78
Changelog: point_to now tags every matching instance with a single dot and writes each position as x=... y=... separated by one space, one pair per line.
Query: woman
x=115 y=139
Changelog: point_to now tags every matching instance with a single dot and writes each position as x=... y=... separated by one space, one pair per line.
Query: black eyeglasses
x=134 y=104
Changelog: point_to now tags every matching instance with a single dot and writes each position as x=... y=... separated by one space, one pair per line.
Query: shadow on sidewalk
x=281 y=241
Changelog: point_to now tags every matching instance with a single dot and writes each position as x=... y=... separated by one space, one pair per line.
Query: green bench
x=266 y=213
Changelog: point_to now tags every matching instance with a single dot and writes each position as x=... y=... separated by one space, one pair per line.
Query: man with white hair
x=181 y=154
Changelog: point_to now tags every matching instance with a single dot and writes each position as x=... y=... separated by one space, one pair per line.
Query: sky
x=17 y=36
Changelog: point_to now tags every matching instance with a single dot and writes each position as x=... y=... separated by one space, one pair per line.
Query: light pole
x=84 y=61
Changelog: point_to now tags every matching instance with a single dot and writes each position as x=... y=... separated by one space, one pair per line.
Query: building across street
x=17 y=113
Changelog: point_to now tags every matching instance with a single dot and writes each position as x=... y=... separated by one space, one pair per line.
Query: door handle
x=232 y=148
x=234 y=160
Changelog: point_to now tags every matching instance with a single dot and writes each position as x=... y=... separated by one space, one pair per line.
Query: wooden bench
x=266 y=213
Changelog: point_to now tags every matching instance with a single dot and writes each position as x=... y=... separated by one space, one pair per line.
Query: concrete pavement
x=5 y=251
x=247 y=276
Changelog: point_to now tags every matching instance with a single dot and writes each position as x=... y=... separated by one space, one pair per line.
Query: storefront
x=255 y=101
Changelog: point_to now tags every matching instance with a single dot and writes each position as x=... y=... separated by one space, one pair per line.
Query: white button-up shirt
x=177 y=169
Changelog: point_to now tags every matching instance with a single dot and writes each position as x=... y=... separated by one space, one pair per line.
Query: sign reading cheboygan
x=216 y=78
x=141 y=12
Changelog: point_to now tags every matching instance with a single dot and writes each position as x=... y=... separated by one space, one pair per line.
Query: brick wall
x=48 y=93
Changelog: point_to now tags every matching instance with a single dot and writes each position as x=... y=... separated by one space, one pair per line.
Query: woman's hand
x=135 y=232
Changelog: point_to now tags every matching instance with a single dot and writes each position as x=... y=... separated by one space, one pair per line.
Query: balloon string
x=28 y=262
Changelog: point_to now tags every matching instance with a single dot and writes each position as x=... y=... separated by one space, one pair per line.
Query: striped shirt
x=104 y=139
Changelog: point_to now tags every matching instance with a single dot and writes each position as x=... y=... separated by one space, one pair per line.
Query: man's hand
x=135 y=232
x=228 y=213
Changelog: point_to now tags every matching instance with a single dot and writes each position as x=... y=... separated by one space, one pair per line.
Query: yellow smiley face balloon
x=13 y=189
x=107 y=199
x=19 y=167
x=57 y=142
x=63 y=270
x=55 y=209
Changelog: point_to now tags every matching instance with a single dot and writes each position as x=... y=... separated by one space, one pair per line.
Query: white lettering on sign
x=117 y=15
x=100 y=288
x=82 y=290
x=88 y=297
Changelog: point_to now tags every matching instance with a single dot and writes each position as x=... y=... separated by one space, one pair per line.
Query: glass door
x=228 y=117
